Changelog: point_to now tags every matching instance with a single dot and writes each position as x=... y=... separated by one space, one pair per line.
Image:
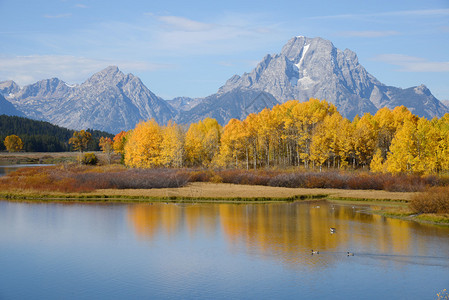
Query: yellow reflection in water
x=287 y=230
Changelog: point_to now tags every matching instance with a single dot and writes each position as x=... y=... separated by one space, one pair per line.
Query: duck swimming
x=350 y=254
x=315 y=252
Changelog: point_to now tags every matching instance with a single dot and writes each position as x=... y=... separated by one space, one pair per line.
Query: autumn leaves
x=310 y=134
x=150 y=145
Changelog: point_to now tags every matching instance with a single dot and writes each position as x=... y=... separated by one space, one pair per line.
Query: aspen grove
x=310 y=135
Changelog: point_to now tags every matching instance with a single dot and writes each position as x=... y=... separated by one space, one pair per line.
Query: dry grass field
x=232 y=191
x=46 y=157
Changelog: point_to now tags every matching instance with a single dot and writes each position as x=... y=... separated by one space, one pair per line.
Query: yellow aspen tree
x=364 y=139
x=193 y=144
x=426 y=138
x=345 y=145
x=250 y=126
x=80 y=140
x=328 y=140
x=172 y=147
x=309 y=115
x=442 y=128
x=211 y=142
x=402 y=149
x=264 y=136
x=143 y=147
x=320 y=146
x=386 y=128
x=202 y=142
x=231 y=144
x=13 y=143
x=119 y=142
x=377 y=165
x=290 y=133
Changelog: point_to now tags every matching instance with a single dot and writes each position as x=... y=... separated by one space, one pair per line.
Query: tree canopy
x=309 y=135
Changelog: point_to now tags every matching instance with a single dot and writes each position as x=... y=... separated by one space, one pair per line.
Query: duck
x=333 y=230
x=350 y=254
x=315 y=252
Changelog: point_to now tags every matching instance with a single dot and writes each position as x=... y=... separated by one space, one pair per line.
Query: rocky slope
x=6 y=108
x=314 y=67
x=305 y=68
x=109 y=100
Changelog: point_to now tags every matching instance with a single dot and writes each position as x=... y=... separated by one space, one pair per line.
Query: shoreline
x=388 y=204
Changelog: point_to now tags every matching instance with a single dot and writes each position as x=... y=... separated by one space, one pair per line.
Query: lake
x=216 y=251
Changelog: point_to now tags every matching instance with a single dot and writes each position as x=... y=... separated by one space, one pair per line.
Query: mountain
x=315 y=68
x=8 y=87
x=225 y=106
x=305 y=68
x=109 y=101
x=7 y=108
x=184 y=103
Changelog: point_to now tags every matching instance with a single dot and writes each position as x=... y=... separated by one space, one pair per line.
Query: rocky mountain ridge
x=109 y=100
x=315 y=68
x=306 y=68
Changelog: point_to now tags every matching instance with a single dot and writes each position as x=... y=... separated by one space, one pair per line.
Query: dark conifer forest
x=40 y=136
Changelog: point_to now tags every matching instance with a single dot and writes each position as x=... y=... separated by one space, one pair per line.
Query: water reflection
x=215 y=251
x=288 y=231
x=152 y=219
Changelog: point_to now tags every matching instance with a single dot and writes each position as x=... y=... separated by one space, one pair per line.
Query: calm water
x=6 y=169
x=216 y=251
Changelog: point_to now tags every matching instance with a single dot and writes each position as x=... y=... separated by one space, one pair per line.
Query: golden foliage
x=119 y=142
x=309 y=134
x=172 y=152
x=80 y=140
x=202 y=142
x=13 y=143
x=143 y=146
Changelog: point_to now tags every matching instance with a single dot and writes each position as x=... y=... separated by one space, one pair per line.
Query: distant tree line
x=40 y=136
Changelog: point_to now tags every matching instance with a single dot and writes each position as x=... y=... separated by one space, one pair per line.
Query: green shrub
x=89 y=159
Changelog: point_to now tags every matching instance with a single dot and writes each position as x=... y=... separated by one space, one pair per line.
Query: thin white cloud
x=164 y=37
x=368 y=34
x=184 y=24
x=224 y=35
x=154 y=38
x=79 y=5
x=29 y=69
x=413 y=64
x=60 y=16
x=401 y=13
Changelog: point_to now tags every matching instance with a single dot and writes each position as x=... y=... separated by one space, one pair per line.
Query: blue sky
x=190 y=48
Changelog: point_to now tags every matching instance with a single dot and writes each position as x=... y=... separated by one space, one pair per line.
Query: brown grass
x=308 y=179
x=50 y=157
x=435 y=200
x=230 y=191
x=77 y=179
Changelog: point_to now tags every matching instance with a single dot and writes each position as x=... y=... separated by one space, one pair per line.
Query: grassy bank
x=19 y=158
x=115 y=183
x=46 y=157
x=389 y=204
